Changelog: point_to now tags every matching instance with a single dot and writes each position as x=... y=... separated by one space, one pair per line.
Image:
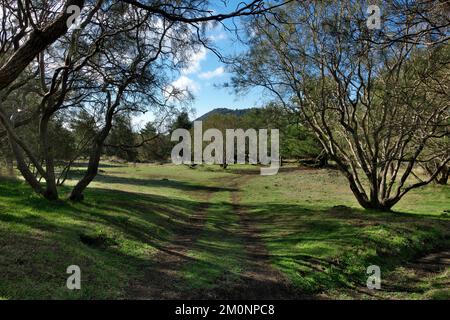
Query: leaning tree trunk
x=91 y=173
x=9 y=165
x=36 y=42
x=51 y=192
x=322 y=159
x=443 y=176
x=18 y=148
x=24 y=169
x=94 y=161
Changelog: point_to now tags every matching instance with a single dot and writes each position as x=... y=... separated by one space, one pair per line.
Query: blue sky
x=206 y=73
x=209 y=72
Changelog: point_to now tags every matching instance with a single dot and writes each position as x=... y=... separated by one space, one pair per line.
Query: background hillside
x=225 y=111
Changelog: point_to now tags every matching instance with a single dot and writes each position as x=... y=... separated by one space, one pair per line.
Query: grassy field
x=313 y=237
x=318 y=235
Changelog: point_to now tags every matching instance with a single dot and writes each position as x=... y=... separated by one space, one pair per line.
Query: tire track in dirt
x=406 y=280
x=259 y=279
x=161 y=277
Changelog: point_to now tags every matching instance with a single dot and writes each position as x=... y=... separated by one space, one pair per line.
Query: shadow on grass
x=256 y=169
x=34 y=267
x=329 y=248
x=139 y=216
x=101 y=165
x=158 y=183
x=317 y=249
x=50 y=237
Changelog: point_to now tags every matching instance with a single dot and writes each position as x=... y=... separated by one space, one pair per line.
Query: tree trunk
x=91 y=173
x=51 y=192
x=94 y=160
x=23 y=168
x=322 y=160
x=374 y=203
x=9 y=165
x=443 y=176
x=370 y=202
x=36 y=42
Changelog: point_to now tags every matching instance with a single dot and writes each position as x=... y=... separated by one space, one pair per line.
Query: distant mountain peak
x=224 y=111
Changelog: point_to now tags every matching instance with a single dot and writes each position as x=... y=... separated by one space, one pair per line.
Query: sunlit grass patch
x=322 y=240
x=218 y=251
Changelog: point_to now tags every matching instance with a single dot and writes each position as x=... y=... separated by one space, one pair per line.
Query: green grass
x=40 y=239
x=320 y=238
x=217 y=254
x=132 y=211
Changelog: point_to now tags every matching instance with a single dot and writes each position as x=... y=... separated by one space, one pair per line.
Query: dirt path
x=161 y=279
x=259 y=279
x=430 y=268
x=434 y=262
x=415 y=280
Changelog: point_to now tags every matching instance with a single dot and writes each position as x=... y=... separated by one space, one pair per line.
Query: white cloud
x=218 y=37
x=194 y=61
x=184 y=83
x=212 y=74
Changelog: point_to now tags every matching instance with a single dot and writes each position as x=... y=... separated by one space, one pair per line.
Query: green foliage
x=84 y=129
x=296 y=141
x=121 y=140
x=63 y=141
x=182 y=121
x=157 y=147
